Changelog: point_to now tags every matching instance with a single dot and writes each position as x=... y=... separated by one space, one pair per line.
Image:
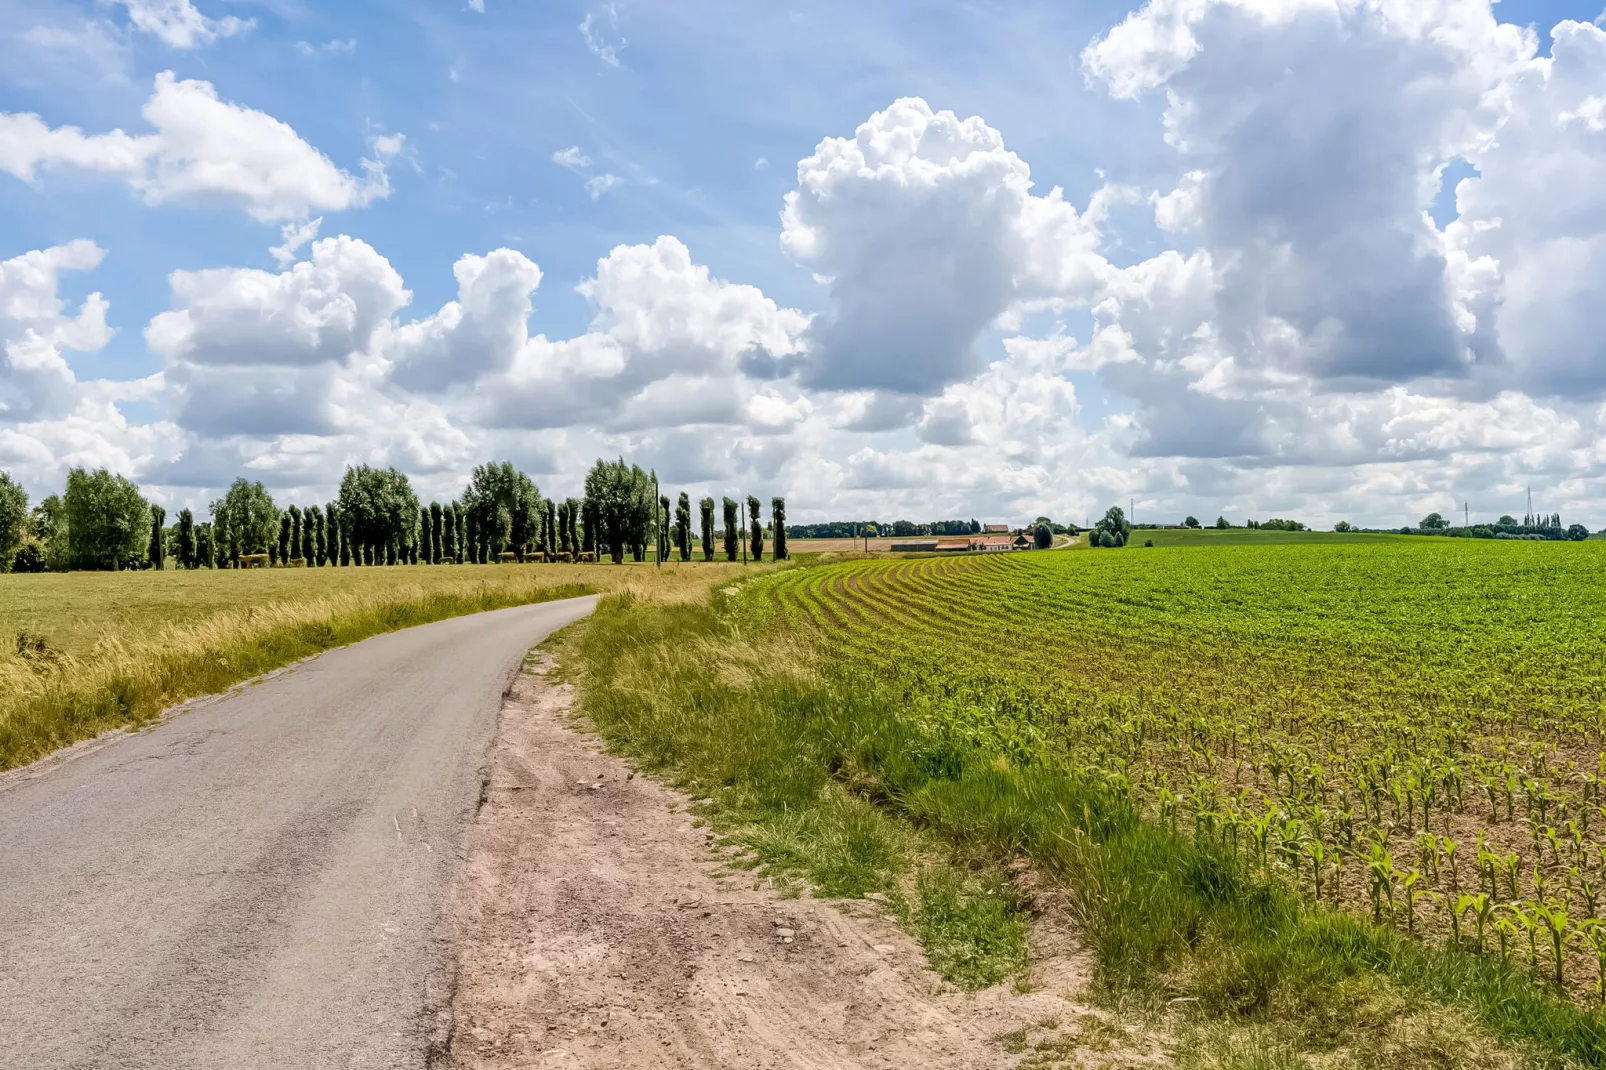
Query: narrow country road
x=263 y=881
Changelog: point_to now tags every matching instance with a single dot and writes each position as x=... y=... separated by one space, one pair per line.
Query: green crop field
x=1245 y=537
x=1403 y=732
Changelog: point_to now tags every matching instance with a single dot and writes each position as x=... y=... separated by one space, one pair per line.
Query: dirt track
x=599 y=928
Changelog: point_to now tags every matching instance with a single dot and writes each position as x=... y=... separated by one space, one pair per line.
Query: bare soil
x=599 y=927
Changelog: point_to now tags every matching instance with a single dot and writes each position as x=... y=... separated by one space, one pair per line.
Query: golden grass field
x=84 y=652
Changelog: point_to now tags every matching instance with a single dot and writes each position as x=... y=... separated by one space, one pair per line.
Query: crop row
x=1412 y=731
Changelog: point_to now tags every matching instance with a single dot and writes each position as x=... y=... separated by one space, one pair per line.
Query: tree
x=205 y=548
x=778 y=525
x=1221 y=523
x=186 y=539
x=47 y=526
x=107 y=521
x=1191 y=522
x=730 y=529
x=295 y=532
x=705 y=512
x=1343 y=526
x=309 y=540
x=1577 y=533
x=499 y=486
x=1506 y=521
x=574 y=525
x=379 y=506
x=619 y=505
x=1433 y=522
x=1113 y=530
x=552 y=527
x=1043 y=537
x=755 y=526
x=156 y=551
x=244 y=521
x=281 y=551
x=13 y=519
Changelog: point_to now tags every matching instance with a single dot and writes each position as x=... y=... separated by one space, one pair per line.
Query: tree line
x=101 y=521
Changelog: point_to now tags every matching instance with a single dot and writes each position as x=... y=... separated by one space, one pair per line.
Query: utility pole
x=1466 y=513
x=1530 y=503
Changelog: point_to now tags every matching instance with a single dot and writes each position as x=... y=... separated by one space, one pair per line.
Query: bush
x=30 y=557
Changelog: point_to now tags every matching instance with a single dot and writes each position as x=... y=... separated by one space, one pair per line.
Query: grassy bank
x=827 y=772
x=86 y=652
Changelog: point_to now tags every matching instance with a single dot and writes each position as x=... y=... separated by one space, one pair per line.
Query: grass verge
x=50 y=698
x=828 y=774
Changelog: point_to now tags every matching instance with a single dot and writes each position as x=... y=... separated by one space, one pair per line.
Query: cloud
x=203 y=150
x=294 y=236
x=329 y=48
x=572 y=158
x=178 y=24
x=597 y=185
x=324 y=309
x=597 y=28
x=927 y=230
x=481 y=332
x=36 y=330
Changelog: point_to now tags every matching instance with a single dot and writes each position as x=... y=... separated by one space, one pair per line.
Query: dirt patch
x=598 y=927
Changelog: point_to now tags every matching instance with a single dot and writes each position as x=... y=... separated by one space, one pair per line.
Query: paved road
x=260 y=882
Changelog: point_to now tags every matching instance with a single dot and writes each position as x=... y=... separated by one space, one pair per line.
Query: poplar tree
x=426 y=532
x=156 y=553
x=552 y=527
x=778 y=525
x=661 y=522
x=186 y=539
x=705 y=511
x=683 y=526
x=731 y=534
x=331 y=535
x=435 y=533
x=284 y=538
x=309 y=554
x=320 y=543
x=449 y=531
x=755 y=526
x=563 y=529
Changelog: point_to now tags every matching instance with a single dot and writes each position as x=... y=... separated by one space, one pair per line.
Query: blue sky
x=693 y=117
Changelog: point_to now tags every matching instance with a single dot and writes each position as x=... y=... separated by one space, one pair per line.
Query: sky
x=1319 y=259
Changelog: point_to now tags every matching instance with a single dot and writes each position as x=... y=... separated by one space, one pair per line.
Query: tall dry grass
x=139 y=665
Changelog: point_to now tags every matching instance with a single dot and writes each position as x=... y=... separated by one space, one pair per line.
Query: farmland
x=85 y=652
x=1412 y=730
x=1269 y=778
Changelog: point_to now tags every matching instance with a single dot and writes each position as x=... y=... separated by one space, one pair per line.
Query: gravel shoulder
x=597 y=926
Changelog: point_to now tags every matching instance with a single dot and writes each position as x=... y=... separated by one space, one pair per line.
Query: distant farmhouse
x=994 y=539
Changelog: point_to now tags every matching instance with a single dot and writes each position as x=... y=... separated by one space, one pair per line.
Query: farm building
x=992 y=543
x=996 y=529
x=918 y=546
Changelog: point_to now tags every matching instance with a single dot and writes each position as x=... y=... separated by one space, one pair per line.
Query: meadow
x=1324 y=793
x=89 y=651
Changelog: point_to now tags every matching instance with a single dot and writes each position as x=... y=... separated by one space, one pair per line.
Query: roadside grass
x=829 y=774
x=87 y=652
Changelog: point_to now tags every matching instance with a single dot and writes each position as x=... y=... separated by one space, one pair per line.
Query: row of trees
x=101 y=521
